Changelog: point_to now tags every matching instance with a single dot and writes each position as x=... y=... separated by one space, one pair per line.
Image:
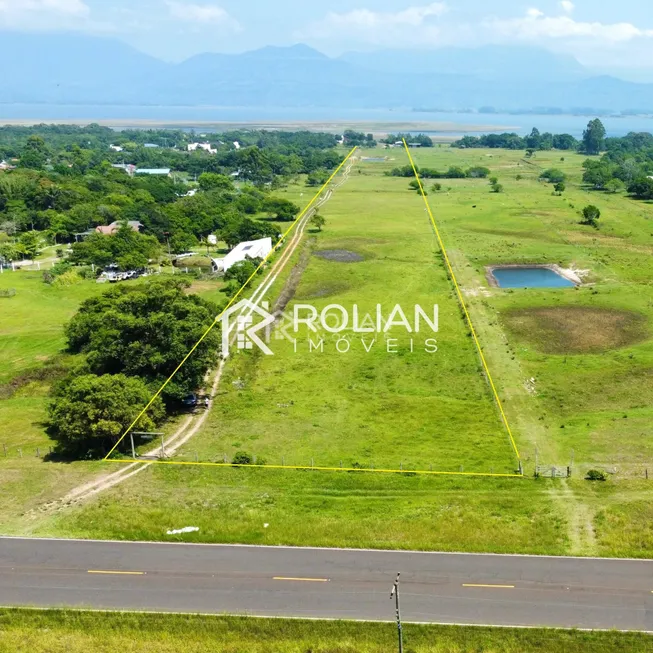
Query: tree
x=28 y=244
x=144 y=330
x=35 y=153
x=594 y=137
x=642 y=188
x=317 y=178
x=282 y=209
x=127 y=248
x=591 y=214
x=213 y=181
x=318 y=220
x=89 y=413
x=240 y=272
x=553 y=175
x=560 y=187
x=497 y=188
x=614 y=186
x=480 y=172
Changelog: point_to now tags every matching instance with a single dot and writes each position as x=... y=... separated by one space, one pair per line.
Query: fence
x=551 y=471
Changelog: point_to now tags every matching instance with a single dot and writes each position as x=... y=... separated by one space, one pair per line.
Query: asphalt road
x=328 y=583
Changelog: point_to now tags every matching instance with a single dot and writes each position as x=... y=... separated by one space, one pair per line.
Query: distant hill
x=493 y=62
x=76 y=69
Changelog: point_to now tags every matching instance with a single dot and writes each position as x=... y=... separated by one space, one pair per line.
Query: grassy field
x=572 y=367
x=364 y=405
x=76 y=632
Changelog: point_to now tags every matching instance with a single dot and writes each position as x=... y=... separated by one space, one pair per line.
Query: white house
x=161 y=172
x=116 y=148
x=249 y=249
x=202 y=146
x=237 y=145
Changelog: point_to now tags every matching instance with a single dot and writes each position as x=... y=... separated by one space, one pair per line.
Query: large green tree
x=127 y=248
x=89 y=413
x=146 y=330
x=594 y=137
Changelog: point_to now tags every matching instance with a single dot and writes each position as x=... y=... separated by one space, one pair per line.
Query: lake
x=197 y=116
x=525 y=277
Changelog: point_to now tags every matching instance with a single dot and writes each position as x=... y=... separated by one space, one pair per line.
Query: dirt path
x=192 y=424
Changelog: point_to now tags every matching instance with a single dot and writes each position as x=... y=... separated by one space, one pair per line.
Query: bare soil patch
x=576 y=329
x=340 y=255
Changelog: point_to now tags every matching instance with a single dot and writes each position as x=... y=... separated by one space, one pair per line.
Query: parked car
x=190 y=400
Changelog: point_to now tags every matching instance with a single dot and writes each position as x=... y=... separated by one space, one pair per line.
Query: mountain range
x=69 y=68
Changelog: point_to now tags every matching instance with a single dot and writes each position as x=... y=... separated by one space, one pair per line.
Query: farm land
x=572 y=368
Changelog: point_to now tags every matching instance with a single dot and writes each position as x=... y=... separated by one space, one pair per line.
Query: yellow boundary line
x=231 y=301
x=462 y=302
x=314 y=468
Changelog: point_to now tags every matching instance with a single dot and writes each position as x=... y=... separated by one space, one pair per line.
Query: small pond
x=529 y=277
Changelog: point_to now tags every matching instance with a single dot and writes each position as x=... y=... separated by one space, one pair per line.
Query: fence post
x=38 y=452
x=20 y=451
x=196 y=457
x=646 y=471
x=4 y=446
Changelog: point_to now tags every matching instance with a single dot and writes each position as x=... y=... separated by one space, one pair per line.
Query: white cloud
x=202 y=14
x=567 y=6
x=43 y=14
x=378 y=26
x=535 y=26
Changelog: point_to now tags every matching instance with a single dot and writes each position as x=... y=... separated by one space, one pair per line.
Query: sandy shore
x=377 y=128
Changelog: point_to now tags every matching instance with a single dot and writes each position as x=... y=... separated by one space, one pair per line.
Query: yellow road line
x=482 y=585
x=462 y=301
x=120 y=573
x=231 y=301
x=317 y=469
x=306 y=580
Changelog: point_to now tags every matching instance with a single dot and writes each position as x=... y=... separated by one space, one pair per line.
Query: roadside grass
x=339 y=509
x=365 y=399
x=70 y=631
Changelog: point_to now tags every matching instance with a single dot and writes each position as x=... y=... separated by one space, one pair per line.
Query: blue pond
x=530 y=278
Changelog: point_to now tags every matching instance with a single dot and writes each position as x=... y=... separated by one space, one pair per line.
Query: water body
x=530 y=278
x=198 y=116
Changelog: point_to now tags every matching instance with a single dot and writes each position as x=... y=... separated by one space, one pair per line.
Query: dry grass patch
x=576 y=329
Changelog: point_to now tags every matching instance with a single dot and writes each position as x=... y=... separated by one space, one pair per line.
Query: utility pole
x=395 y=592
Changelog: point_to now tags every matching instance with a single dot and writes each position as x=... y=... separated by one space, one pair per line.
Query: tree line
x=65 y=182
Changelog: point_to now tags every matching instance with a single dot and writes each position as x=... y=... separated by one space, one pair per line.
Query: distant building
x=6 y=166
x=150 y=145
x=192 y=147
x=116 y=148
x=237 y=145
x=112 y=228
x=127 y=167
x=162 y=172
x=249 y=249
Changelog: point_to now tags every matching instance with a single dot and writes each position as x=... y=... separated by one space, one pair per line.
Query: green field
x=572 y=367
x=76 y=632
x=365 y=405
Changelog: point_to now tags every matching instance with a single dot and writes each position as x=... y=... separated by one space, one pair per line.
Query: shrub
x=553 y=175
x=591 y=214
x=596 y=475
x=69 y=278
x=242 y=458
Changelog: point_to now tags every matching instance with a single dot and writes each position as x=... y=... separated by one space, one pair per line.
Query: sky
x=600 y=34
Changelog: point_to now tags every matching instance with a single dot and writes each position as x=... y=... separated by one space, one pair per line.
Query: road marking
x=307 y=580
x=482 y=585
x=122 y=573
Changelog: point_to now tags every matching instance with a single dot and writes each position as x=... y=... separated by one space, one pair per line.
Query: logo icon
x=243 y=330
